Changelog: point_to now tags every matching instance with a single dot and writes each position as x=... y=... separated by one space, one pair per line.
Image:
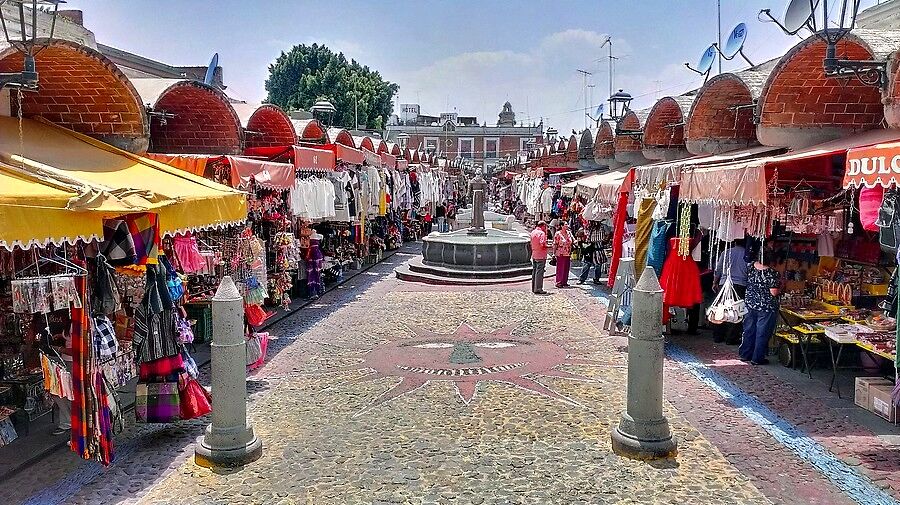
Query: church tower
x=507 y=116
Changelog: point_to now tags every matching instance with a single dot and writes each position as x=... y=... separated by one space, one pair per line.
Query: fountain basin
x=460 y=257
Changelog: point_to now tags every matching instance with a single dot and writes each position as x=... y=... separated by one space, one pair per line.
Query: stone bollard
x=229 y=441
x=643 y=432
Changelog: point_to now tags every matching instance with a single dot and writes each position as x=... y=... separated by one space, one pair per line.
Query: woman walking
x=762 y=304
x=562 y=249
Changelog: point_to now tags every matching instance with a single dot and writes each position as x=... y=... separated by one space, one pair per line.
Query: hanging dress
x=314 y=263
x=680 y=280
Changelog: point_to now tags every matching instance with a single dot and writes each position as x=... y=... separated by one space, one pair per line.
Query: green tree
x=305 y=74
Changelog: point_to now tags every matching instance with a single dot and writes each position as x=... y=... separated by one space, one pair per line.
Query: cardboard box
x=882 y=405
x=863 y=384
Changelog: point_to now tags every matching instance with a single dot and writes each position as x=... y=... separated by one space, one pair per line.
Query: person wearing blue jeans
x=761 y=298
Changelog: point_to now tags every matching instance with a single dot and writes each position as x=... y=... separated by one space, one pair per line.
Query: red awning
x=307 y=158
x=559 y=170
x=348 y=154
x=877 y=165
x=265 y=173
x=388 y=160
x=372 y=159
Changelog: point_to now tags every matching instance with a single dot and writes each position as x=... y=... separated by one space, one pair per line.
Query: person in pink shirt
x=538 y=257
x=562 y=245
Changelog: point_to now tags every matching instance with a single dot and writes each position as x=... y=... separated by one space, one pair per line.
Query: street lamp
x=802 y=14
x=26 y=41
x=619 y=103
x=324 y=107
x=403 y=137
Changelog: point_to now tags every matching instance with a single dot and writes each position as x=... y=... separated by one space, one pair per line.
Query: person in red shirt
x=538 y=258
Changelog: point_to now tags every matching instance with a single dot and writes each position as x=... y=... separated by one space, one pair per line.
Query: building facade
x=455 y=136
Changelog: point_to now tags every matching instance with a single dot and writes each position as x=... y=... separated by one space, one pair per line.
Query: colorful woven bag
x=157 y=402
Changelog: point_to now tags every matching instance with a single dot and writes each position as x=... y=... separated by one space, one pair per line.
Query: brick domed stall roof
x=309 y=130
x=799 y=106
x=341 y=136
x=203 y=122
x=633 y=121
x=265 y=125
x=572 y=149
x=586 y=144
x=664 y=126
x=721 y=116
x=394 y=149
x=82 y=90
x=604 y=142
x=381 y=146
x=364 y=143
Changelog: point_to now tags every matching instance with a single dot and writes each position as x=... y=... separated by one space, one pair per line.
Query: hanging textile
x=642 y=234
x=618 y=236
x=144 y=230
x=82 y=392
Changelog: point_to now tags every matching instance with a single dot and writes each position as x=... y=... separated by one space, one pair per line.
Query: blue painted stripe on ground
x=849 y=480
x=846 y=478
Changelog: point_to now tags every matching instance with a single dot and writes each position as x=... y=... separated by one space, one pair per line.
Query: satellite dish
x=735 y=41
x=706 y=60
x=798 y=14
x=211 y=70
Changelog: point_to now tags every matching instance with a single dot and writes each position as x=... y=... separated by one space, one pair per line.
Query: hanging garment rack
x=71 y=269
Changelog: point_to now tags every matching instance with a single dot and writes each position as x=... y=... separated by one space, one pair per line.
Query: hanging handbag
x=263 y=339
x=727 y=307
x=254 y=350
x=157 y=402
x=195 y=400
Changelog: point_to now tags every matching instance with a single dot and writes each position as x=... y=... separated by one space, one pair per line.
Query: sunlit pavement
x=388 y=392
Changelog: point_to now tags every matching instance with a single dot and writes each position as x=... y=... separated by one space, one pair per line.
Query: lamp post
x=26 y=42
x=619 y=103
x=325 y=108
x=403 y=137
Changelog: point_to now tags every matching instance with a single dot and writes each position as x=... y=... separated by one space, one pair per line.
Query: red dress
x=680 y=280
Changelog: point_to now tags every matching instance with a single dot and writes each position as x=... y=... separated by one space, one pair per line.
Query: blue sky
x=467 y=55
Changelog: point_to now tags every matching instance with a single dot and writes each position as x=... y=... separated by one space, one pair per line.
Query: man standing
x=538 y=257
x=730 y=333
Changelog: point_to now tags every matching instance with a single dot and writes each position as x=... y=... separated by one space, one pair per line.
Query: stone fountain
x=477 y=255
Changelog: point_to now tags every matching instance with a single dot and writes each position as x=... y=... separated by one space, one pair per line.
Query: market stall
x=90 y=295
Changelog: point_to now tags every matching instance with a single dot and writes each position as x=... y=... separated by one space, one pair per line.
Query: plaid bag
x=105 y=342
x=157 y=402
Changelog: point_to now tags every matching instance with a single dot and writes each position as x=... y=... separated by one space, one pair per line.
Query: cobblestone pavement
x=388 y=392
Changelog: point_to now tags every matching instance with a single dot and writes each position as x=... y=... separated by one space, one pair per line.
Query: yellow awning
x=182 y=200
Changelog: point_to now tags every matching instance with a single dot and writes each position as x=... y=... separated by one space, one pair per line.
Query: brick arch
x=720 y=119
x=629 y=149
x=366 y=143
x=394 y=149
x=204 y=122
x=586 y=145
x=381 y=146
x=799 y=106
x=664 y=128
x=341 y=136
x=561 y=145
x=82 y=90
x=604 y=143
x=309 y=130
x=274 y=126
x=572 y=149
x=414 y=157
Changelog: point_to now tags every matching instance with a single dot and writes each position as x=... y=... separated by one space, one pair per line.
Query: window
x=491 y=148
x=431 y=144
x=523 y=144
x=466 y=147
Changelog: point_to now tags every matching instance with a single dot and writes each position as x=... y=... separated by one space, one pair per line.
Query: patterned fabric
x=105 y=342
x=118 y=244
x=157 y=402
x=759 y=282
x=82 y=406
x=163 y=367
x=106 y=294
x=104 y=421
x=144 y=230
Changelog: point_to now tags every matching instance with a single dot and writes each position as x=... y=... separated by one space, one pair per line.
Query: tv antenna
x=608 y=42
x=211 y=70
x=584 y=77
x=705 y=63
x=734 y=45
